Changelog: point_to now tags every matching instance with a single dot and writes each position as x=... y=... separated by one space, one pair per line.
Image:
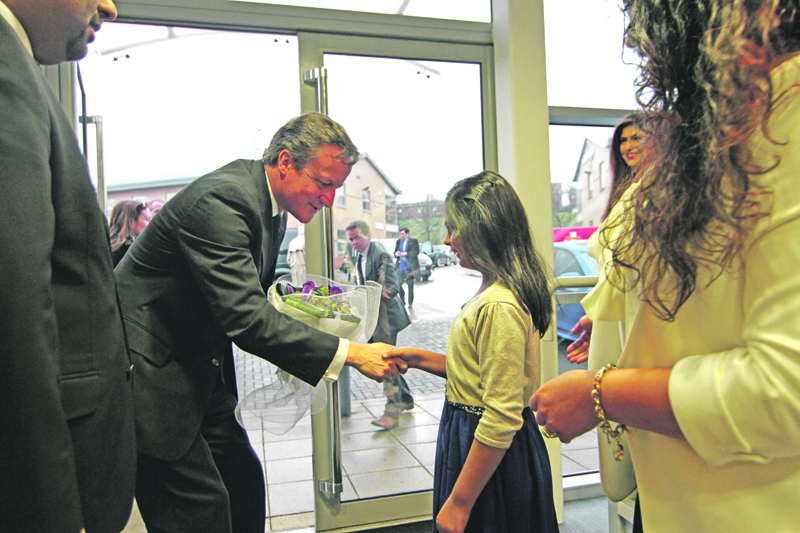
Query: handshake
x=377 y=361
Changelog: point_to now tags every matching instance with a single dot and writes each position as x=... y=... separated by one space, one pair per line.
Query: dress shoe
x=385 y=422
x=407 y=406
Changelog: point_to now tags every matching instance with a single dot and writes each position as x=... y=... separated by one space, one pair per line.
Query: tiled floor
x=375 y=462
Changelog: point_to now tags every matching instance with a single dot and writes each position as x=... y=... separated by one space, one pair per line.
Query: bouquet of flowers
x=347 y=311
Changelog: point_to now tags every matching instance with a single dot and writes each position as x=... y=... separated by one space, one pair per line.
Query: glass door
x=418 y=123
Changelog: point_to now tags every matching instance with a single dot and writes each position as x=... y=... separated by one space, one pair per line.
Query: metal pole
x=102 y=194
x=331 y=488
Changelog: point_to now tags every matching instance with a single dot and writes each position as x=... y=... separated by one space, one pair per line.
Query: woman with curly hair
x=706 y=270
x=128 y=220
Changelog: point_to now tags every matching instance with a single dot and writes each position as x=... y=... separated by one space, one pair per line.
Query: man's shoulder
x=377 y=249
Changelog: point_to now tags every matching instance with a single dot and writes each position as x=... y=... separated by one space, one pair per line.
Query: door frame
x=330 y=512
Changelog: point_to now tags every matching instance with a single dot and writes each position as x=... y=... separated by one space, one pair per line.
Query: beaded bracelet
x=605 y=426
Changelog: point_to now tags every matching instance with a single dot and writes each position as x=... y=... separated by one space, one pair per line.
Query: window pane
x=579 y=158
x=173 y=102
x=469 y=10
x=586 y=57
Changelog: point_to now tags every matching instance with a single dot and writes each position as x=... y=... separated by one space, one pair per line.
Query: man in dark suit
x=406 y=250
x=371 y=262
x=66 y=424
x=193 y=283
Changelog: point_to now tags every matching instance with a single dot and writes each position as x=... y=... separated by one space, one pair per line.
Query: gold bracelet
x=605 y=426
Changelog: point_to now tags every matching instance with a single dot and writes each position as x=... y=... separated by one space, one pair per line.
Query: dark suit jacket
x=67 y=455
x=377 y=265
x=413 y=254
x=194 y=282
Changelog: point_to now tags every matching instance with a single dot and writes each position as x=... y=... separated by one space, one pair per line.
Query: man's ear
x=285 y=162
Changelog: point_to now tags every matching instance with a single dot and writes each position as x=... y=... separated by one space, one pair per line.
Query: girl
x=492 y=469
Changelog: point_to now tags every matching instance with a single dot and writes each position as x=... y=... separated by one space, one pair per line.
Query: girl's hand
x=405 y=358
x=578 y=351
x=408 y=357
x=564 y=405
x=452 y=518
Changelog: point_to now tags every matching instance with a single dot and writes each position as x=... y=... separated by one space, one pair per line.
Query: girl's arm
x=431 y=362
x=481 y=463
x=636 y=397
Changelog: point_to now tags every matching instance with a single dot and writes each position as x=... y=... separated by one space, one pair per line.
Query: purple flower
x=308 y=290
x=289 y=289
x=335 y=290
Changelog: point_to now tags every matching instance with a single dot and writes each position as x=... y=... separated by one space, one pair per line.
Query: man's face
x=303 y=192
x=403 y=235
x=59 y=30
x=358 y=240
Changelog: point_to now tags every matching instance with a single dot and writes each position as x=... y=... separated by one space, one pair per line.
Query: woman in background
x=629 y=149
x=710 y=375
x=128 y=220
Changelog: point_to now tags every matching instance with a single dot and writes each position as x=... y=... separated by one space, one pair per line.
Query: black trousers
x=409 y=280
x=217 y=487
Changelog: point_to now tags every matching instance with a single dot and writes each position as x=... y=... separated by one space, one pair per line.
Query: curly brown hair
x=705 y=85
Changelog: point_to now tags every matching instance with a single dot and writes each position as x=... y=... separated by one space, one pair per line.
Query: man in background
x=370 y=262
x=195 y=283
x=406 y=251
x=67 y=458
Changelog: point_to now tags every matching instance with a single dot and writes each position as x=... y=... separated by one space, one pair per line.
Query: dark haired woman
x=629 y=149
x=710 y=375
x=128 y=220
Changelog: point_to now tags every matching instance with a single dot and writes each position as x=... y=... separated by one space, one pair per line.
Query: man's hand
x=367 y=359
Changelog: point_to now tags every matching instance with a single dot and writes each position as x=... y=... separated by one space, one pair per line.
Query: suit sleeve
x=220 y=257
x=38 y=486
x=388 y=274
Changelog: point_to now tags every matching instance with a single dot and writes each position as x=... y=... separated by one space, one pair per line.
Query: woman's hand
x=452 y=518
x=578 y=351
x=564 y=405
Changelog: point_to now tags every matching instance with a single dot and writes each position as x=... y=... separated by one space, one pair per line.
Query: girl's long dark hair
x=706 y=86
x=486 y=214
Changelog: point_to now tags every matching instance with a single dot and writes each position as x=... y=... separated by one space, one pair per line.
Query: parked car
x=571 y=259
x=282 y=268
x=451 y=255
x=425 y=263
x=435 y=253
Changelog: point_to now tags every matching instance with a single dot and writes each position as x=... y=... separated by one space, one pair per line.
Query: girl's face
x=455 y=244
x=141 y=222
x=632 y=145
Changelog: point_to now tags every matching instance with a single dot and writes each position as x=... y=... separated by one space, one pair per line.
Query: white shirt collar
x=16 y=26
x=271 y=196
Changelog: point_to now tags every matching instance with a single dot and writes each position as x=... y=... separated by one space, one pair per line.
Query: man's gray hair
x=303 y=136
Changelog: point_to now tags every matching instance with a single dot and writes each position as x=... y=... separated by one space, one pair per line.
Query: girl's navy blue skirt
x=518 y=497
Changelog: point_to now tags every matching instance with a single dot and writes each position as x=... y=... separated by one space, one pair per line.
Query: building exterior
x=368 y=194
x=593 y=176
